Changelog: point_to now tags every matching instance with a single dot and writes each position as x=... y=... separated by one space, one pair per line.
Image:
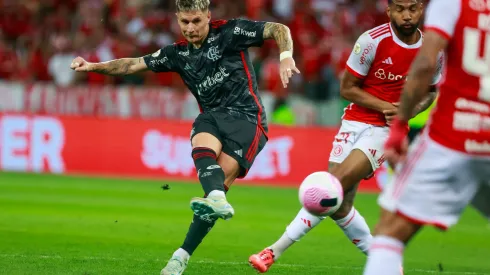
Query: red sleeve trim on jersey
x=439 y=31
x=218 y=23
x=182 y=43
x=356 y=74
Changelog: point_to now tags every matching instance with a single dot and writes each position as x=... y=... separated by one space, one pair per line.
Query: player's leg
x=206 y=148
x=304 y=222
x=350 y=172
x=423 y=192
x=201 y=226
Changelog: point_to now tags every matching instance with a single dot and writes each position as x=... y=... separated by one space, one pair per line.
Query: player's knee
x=395 y=226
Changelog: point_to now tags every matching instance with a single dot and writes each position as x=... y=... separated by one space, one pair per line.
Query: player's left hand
x=390 y=115
x=396 y=146
x=286 y=69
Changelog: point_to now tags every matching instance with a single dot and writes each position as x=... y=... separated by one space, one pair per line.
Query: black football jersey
x=219 y=74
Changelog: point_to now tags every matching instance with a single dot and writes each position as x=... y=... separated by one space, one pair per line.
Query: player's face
x=405 y=15
x=194 y=25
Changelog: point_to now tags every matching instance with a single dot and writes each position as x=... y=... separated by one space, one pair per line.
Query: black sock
x=198 y=229
x=209 y=172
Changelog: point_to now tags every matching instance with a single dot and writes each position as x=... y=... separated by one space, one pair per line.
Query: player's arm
x=429 y=99
x=247 y=33
x=281 y=34
x=421 y=72
x=350 y=89
x=426 y=102
x=117 y=67
x=160 y=61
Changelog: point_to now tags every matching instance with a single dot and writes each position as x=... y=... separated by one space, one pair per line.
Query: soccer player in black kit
x=231 y=130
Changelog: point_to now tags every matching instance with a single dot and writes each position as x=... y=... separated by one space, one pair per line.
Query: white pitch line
x=235 y=263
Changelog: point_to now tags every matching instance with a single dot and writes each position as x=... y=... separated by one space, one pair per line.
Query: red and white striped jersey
x=461 y=119
x=382 y=60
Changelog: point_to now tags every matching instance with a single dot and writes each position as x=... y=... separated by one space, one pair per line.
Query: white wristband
x=285 y=54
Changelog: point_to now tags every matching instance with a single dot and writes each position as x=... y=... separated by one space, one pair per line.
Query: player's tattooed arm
x=281 y=34
x=119 y=67
x=123 y=66
x=421 y=74
x=426 y=102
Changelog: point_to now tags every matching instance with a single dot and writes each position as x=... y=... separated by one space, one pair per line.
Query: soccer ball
x=321 y=194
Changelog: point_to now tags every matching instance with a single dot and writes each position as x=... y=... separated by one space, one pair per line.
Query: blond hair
x=192 y=5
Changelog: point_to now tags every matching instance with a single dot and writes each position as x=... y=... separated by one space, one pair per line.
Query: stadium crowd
x=39 y=39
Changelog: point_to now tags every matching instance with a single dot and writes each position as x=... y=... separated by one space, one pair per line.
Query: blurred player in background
x=376 y=71
x=232 y=127
x=450 y=161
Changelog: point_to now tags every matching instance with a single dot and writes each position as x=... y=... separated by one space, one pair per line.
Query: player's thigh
x=230 y=167
x=371 y=142
x=242 y=141
x=352 y=170
x=205 y=133
x=432 y=186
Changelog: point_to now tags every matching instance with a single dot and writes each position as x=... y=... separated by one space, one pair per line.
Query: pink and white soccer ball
x=321 y=194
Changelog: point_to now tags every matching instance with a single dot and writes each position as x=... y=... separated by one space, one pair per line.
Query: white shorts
x=368 y=138
x=434 y=184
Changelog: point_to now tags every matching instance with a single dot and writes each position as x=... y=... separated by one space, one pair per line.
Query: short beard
x=403 y=31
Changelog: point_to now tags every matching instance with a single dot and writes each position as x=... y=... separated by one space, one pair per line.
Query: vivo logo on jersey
x=365 y=52
x=381 y=74
x=211 y=81
x=239 y=31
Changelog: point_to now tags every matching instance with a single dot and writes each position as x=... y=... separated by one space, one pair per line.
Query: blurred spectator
x=38 y=39
x=61 y=74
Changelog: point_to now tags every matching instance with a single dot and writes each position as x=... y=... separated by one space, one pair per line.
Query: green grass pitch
x=73 y=225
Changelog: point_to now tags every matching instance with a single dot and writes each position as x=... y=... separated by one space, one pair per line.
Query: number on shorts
x=473 y=63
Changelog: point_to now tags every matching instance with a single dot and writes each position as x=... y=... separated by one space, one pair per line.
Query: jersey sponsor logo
x=381 y=74
x=480 y=5
x=370 y=47
x=240 y=31
x=211 y=81
x=473 y=146
x=215 y=166
x=471 y=122
x=156 y=54
x=213 y=38
x=186 y=53
x=159 y=61
x=470 y=105
x=213 y=53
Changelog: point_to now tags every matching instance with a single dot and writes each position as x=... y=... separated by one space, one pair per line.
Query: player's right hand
x=80 y=65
